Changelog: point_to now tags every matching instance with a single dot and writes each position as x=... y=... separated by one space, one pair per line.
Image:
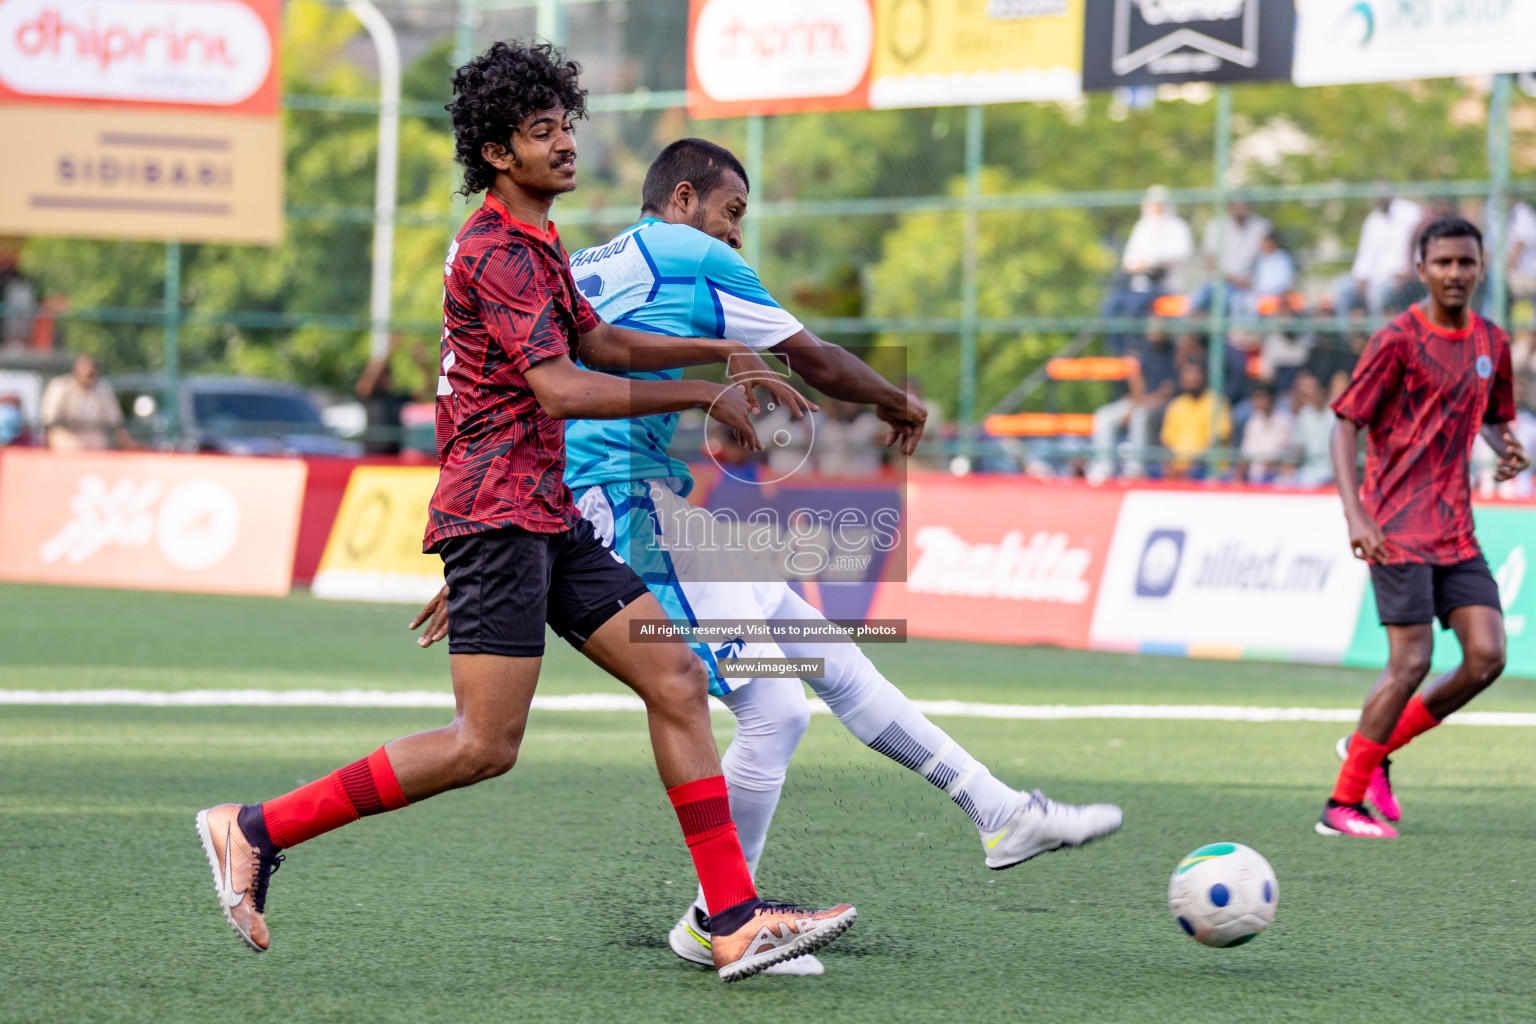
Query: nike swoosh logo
x=999 y=839
x=229 y=896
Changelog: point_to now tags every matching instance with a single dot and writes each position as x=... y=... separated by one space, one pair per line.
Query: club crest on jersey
x=1484 y=367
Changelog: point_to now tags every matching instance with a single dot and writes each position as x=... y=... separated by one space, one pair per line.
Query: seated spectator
x=1284 y=351
x=13 y=423
x=80 y=412
x=1312 y=433
x=1188 y=423
x=384 y=400
x=848 y=442
x=1152 y=263
x=1382 y=258
x=1148 y=391
x=1333 y=357
x=1241 y=239
x=1266 y=437
x=1274 y=273
x=1524 y=429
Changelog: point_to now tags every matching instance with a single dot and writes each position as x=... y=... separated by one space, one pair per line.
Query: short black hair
x=493 y=93
x=697 y=161
x=1449 y=227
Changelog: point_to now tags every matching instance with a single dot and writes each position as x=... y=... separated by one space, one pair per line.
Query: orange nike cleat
x=773 y=933
x=241 y=872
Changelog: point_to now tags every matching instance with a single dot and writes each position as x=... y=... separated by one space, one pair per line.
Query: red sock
x=705 y=814
x=1415 y=721
x=1364 y=758
x=363 y=787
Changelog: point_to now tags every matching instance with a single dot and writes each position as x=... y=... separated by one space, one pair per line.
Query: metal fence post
x=970 y=271
x=381 y=292
x=464 y=32
x=171 y=310
x=1216 y=356
x=1498 y=198
x=753 y=240
x=550 y=24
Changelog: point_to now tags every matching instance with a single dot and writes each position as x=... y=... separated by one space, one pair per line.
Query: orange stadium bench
x=1092 y=368
x=1040 y=424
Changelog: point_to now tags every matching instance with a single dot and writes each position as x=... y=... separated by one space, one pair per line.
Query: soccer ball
x=1223 y=894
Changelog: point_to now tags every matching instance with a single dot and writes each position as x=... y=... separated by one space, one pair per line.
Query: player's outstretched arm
x=565 y=391
x=833 y=370
x=623 y=349
x=1365 y=537
x=1513 y=459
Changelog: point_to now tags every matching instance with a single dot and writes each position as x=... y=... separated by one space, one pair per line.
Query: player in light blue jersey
x=677 y=272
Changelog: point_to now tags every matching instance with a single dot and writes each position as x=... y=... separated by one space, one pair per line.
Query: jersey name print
x=508 y=303
x=1422 y=393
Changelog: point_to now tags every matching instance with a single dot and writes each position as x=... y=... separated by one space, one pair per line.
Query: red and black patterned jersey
x=1422 y=392
x=508 y=303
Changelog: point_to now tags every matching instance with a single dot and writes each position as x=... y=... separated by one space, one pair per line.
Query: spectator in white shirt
x=1152 y=263
x=1521 y=250
x=1382 y=264
x=1266 y=437
x=1232 y=257
x=1312 y=434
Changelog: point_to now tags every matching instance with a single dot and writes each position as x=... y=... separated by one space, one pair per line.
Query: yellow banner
x=100 y=172
x=931 y=53
x=374 y=551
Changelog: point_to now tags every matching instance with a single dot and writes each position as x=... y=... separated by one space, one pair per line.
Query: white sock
x=771 y=716
x=883 y=719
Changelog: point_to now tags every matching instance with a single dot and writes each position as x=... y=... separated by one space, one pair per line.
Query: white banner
x=1341 y=41
x=1229 y=575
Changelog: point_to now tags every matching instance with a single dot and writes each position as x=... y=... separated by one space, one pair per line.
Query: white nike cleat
x=1041 y=825
x=689 y=939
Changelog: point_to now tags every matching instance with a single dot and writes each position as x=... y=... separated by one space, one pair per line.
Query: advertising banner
x=932 y=53
x=1000 y=560
x=141 y=119
x=1508 y=537
x=149 y=522
x=1148 y=42
x=750 y=57
x=374 y=552
x=1340 y=41
x=1230 y=575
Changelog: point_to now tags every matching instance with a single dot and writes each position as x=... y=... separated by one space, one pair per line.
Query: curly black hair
x=495 y=91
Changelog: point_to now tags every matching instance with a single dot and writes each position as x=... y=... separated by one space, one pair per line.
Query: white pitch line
x=628 y=702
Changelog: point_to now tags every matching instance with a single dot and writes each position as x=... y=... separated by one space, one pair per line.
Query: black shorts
x=1413 y=594
x=504 y=585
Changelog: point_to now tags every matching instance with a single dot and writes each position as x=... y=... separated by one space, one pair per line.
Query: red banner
x=150 y=522
x=1001 y=560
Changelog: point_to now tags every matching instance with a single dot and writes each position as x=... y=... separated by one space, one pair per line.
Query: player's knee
x=684 y=690
x=793 y=720
x=480 y=758
x=1485 y=662
x=1408 y=668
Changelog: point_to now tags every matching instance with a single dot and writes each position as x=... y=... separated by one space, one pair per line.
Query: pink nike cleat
x=1352 y=820
x=1379 y=793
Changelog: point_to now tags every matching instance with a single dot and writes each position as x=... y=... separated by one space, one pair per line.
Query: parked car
x=230 y=415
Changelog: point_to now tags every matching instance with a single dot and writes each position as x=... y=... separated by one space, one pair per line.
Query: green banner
x=1508 y=537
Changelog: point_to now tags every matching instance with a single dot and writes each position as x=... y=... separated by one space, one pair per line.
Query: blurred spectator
x=79 y=411
x=1312 y=432
x=1382 y=264
x=848 y=440
x=1285 y=350
x=18 y=295
x=1188 y=420
x=1152 y=263
x=1333 y=356
x=1484 y=459
x=1148 y=391
x=1274 y=272
x=383 y=400
x=13 y=423
x=1521 y=259
x=788 y=441
x=1266 y=437
x=1242 y=233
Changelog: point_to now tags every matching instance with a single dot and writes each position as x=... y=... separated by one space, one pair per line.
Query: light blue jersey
x=666 y=279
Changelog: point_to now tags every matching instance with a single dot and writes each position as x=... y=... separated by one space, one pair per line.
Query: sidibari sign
x=750 y=57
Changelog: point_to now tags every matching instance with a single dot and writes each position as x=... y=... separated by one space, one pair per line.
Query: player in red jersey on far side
x=1427 y=384
x=516 y=552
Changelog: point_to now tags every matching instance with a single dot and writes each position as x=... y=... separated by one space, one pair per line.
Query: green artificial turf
x=546 y=895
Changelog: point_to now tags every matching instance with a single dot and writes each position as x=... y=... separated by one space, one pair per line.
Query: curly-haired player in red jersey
x=1426 y=385
x=516 y=552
